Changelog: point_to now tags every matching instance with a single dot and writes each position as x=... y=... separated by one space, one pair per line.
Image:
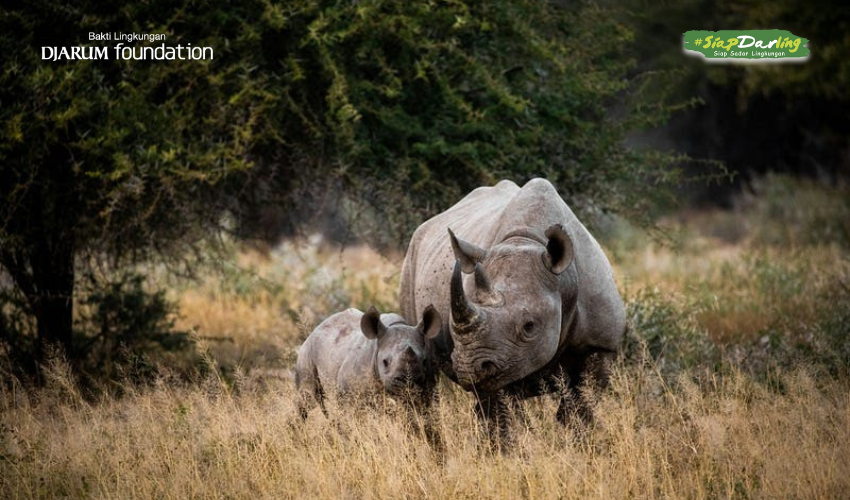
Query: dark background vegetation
x=363 y=118
x=756 y=119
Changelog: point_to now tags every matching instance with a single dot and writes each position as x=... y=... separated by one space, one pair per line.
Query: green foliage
x=426 y=101
x=668 y=333
x=411 y=103
x=118 y=154
x=113 y=159
x=126 y=331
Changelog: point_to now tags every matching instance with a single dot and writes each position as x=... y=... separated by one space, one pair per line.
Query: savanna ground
x=733 y=382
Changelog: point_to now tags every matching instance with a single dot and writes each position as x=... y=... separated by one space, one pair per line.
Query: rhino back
x=341 y=354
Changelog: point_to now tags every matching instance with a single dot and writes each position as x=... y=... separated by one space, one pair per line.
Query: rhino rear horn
x=467 y=253
x=482 y=281
x=371 y=325
x=559 y=249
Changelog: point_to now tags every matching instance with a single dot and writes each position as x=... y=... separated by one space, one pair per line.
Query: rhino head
x=510 y=324
x=402 y=361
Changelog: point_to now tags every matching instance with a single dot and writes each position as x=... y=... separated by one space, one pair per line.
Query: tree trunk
x=52 y=264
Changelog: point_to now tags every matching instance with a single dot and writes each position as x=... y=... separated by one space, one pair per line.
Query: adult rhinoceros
x=536 y=302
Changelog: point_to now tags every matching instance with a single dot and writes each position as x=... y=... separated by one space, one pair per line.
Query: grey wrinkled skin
x=535 y=300
x=356 y=356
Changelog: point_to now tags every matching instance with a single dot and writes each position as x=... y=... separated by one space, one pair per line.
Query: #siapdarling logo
x=776 y=46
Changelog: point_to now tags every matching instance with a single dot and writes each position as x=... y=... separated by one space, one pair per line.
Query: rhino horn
x=409 y=354
x=464 y=313
x=482 y=281
x=467 y=253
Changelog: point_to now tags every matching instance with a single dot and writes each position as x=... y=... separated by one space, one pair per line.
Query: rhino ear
x=371 y=326
x=559 y=249
x=431 y=323
x=467 y=253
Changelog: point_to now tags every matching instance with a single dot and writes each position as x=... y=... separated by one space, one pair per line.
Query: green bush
x=126 y=333
x=668 y=333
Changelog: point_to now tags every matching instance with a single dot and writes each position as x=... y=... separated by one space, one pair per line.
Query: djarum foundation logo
x=747 y=46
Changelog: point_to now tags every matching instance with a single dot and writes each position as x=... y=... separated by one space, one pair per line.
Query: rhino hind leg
x=310 y=392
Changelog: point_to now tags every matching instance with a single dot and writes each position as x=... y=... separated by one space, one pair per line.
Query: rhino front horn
x=464 y=313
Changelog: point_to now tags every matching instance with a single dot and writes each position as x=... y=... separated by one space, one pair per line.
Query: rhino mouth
x=405 y=385
x=487 y=378
x=404 y=390
x=485 y=385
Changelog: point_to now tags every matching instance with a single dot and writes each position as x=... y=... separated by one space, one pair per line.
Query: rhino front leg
x=573 y=408
x=594 y=370
x=426 y=416
x=497 y=413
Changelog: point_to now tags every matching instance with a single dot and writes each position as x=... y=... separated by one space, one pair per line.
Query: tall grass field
x=733 y=382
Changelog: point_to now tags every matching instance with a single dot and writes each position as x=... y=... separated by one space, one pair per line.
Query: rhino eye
x=386 y=363
x=528 y=327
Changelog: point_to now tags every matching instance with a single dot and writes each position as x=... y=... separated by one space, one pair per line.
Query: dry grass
x=740 y=293
x=719 y=437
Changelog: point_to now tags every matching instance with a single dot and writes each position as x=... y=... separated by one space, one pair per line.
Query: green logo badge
x=746 y=45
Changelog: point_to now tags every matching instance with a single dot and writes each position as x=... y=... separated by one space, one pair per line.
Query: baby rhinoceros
x=359 y=356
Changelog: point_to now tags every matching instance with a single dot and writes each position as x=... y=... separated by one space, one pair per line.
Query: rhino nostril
x=487 y=369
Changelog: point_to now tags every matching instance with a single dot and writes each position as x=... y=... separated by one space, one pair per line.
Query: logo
x=746 y=45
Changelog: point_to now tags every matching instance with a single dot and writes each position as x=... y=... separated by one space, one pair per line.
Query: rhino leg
x=309 y=388
x=425 y=417
x=573 y=407
x=593 y=371
x=498 y=412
